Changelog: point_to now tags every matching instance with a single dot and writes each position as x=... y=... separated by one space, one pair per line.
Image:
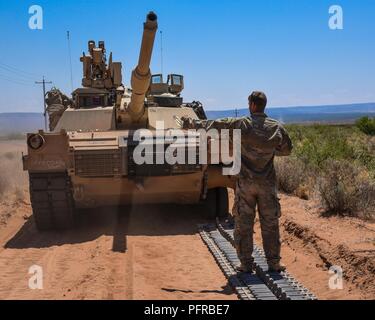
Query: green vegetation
x=316 y=144
x=366 y=125
x=337 y=162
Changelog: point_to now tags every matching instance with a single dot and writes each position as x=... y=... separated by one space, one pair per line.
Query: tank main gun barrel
x=141 y=75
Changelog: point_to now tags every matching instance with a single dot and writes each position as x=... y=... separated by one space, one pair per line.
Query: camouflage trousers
x=249 y=194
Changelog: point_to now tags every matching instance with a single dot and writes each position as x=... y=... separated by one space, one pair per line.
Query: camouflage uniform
x=57 y=103
x=261 y=139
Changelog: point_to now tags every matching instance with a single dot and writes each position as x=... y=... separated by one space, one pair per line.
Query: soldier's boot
x=276 y=266
x=246 y=265
x=249 y=268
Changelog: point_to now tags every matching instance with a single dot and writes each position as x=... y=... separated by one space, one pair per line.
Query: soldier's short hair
x=259 y=99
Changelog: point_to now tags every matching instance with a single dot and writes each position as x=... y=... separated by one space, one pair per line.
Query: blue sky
x=224 y=48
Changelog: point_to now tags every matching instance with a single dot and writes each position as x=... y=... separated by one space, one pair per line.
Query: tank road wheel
x=217 y=203
x=51 y=200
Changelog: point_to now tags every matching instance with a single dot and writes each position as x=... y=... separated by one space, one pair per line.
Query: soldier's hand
x=184 y=122
x=188 y=123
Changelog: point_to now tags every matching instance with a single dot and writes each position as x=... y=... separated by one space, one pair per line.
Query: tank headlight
x=35 y=141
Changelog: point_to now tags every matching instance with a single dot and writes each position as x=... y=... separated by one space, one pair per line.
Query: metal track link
x=283 y=285
x=229 y=271
x=51 y=200
x=248 y=286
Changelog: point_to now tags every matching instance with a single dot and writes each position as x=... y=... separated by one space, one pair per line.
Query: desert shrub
x=345 y=189
x=366 y=125
x=366 y=190
x=364 y=153
x=319 y=144
x=290 y=173
x=371 y=145
x=315 y=144
x=339 y=164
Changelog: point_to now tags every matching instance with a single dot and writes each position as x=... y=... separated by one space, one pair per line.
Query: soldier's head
x=257 y=101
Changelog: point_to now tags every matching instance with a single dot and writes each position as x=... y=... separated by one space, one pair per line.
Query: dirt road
x=147 y=253
x=156 y=253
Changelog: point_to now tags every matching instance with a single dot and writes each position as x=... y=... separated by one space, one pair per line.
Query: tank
x=87 y=159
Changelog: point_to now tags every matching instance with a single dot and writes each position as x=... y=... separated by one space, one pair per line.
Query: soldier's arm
x=286 y=146
x=224 y=123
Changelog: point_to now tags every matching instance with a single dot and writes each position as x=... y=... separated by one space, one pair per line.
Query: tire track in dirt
x=71 y=268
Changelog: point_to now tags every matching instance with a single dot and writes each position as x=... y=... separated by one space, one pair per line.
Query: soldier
x=262 y=138
x=57 y=103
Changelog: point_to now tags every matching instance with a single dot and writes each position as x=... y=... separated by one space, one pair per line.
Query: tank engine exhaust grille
x=97 y=163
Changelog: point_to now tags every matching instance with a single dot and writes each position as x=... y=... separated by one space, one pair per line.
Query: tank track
x=261 y=285
x=51 y=200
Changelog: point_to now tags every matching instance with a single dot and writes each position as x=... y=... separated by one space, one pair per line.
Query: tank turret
x=141 y=75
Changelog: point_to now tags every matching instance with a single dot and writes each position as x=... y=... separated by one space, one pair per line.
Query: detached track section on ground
x=262 y=285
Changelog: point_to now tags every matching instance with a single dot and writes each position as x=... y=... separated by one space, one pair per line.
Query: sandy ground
x=147 y=253
x=155 y=252
x=312 y=244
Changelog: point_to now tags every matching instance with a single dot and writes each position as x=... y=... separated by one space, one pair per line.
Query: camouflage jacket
x=262 y=138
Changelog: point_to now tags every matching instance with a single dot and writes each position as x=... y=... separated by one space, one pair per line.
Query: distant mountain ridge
x=20 y=122
x=32 y=121
x=327 y=114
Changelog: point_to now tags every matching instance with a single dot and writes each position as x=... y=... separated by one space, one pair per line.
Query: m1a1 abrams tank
x=87 y=158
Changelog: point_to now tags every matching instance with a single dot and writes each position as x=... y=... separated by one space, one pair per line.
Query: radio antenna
x=70 y=60
x=161 y=51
